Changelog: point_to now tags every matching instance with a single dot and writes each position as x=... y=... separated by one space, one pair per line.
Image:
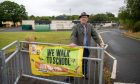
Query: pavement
x=127 y=53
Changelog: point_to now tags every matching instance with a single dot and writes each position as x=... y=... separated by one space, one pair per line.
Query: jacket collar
x=82 y=27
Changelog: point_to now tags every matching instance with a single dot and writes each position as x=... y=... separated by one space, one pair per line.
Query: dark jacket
x=77 y=35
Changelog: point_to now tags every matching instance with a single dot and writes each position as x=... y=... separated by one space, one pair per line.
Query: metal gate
x=15 y=64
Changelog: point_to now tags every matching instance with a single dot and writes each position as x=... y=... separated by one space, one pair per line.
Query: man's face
x=83 y=19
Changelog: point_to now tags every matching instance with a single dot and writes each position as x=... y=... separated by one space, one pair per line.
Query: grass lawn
x=62 y=37
x=133 y=35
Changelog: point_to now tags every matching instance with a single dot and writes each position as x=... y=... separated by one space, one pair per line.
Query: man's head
x=83 y=18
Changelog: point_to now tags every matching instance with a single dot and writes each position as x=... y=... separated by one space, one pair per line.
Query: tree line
x=98 y=18
x=11 y=11
x=129 y=15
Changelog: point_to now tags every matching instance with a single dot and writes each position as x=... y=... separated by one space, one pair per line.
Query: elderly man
x=82 y=33
x=81 y=36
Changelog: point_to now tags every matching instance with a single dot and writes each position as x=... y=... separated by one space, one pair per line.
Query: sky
x=69 y=7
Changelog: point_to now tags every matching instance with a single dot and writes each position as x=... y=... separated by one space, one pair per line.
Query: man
x=82 y=33
x=81 y=36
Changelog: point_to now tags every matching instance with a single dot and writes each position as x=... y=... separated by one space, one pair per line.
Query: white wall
x=107 y=25
x=29 y=22
x=61 y=24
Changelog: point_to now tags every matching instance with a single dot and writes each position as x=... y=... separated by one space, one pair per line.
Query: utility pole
x=70 y=11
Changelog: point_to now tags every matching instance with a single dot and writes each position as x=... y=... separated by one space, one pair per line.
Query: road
x=127 y=53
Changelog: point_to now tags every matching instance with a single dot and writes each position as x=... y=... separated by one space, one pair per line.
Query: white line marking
x=101 y=37
x=123 y=83
x=104 y=32
x=113 y=74
x=110 y=55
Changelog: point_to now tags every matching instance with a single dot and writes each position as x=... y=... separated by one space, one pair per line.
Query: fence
x=16 y=66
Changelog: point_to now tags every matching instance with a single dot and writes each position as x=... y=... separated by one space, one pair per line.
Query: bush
x=136 y=27
x=127 y=24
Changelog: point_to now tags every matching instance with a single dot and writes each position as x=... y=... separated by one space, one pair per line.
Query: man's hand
x=72 y=45
x=102 y=45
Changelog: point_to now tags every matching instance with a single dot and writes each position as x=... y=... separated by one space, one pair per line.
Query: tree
x=32 y=17
x=46 y=18
x=111 y=17
x=123 y=13
x=74 y=17
x=12 y=11
x=53 y=17
x=130 y=14
x=1 y=14
x=133 y=7
x=110 y=14
x=100 y=17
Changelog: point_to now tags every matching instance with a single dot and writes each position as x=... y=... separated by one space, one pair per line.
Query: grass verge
x=107 y=71
x=132 y=35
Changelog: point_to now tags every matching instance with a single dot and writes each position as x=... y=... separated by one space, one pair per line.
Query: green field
x=62 y=37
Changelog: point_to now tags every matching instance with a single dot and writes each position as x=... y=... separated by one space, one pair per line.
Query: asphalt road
x=127 y=53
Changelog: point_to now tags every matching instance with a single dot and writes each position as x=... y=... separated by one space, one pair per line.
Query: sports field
x=62 y=37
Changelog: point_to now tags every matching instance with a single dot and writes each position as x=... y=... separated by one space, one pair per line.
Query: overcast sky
x=73 y=7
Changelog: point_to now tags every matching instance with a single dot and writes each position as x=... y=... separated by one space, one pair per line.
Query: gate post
x=101 y=67
x=0 y=67
x=3 y=68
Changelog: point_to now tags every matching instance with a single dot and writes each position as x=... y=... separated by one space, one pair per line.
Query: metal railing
x=10 y=64
x=17 y=65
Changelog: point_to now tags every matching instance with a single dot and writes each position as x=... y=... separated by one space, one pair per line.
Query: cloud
x=57 y=7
